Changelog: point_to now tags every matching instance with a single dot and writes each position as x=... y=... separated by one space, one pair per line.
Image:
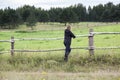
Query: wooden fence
x=90 y=46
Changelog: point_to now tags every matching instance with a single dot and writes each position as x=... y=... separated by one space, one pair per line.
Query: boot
x=66 y=58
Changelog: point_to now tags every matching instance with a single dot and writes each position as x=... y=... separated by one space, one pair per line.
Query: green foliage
x=81 y=12
x=11 y=18
x=43 y=16
x=54 y=14
x=1 y=14
x=25 y=12
x=68 y=15
x=31 y=21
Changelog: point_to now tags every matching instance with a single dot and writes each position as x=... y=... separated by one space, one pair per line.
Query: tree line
x=11 y=18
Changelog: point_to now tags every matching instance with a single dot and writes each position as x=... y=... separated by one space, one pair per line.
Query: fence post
x=12 y=46
x=91 y=42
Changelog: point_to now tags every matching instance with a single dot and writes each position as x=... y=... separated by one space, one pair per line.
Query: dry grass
x=97 y=75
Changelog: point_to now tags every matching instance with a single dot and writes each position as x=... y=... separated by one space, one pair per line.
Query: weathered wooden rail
x=90 y=46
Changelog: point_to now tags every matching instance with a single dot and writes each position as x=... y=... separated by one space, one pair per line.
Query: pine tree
x=31 y=21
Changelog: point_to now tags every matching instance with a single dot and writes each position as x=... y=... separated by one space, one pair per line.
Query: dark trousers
x=67 y=49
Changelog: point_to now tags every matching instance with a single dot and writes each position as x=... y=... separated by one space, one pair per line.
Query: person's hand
x=74 y=37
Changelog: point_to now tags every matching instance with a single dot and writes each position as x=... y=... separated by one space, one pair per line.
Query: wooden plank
x=48 y=50
x=4 y=40
x=100 y=33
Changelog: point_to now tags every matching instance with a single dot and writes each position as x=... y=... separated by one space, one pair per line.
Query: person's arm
x=72 y=35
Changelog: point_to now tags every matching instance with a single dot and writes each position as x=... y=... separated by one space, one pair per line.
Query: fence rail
x=99 y=33
x=22 y=39
x=104 y=48
x=61 y=49
x=3 y=52
x=59 y=38
x=90 y=46
x=4 y=40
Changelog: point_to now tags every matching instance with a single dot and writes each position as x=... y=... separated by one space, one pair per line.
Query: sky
x=47 y=4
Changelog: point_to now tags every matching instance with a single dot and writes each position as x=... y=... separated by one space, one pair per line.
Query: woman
x=68 y=35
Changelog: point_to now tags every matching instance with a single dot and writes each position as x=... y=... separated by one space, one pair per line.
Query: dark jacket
x=67 y=36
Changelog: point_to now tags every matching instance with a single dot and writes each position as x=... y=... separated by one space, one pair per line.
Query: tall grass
x=55 y=62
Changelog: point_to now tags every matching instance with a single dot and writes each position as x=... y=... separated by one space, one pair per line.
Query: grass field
x=104 y=65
